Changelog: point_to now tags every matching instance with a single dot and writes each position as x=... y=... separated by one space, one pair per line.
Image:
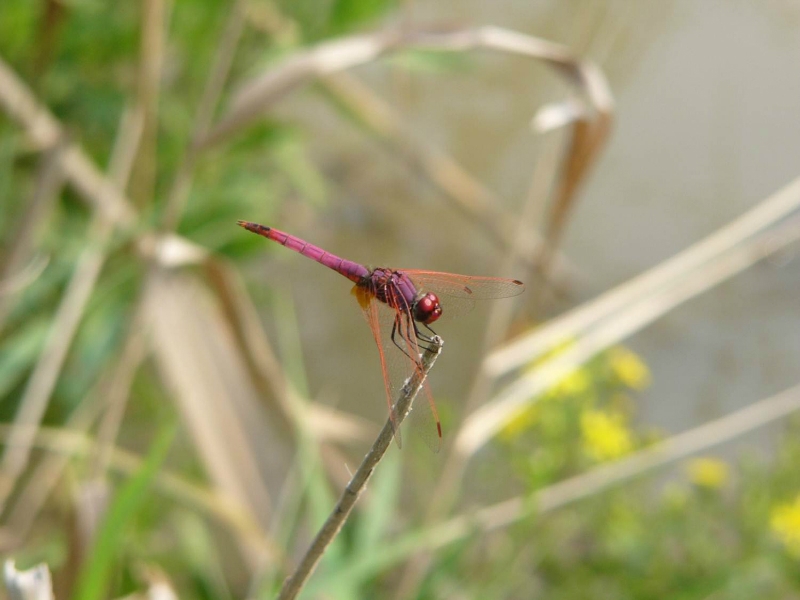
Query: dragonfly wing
x=399 y=357
x=465 y=286
x=406 y=352
x=377 y=321
x=459 y=292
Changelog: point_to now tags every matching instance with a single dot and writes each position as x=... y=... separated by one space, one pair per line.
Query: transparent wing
x=377 y=324
x=465 y=286
x=399 y=357
x=458 y=293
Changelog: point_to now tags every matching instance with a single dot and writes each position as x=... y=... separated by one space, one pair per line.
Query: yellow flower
x=708 y=472
x=574 y=383
x=518 y=424
x=630 y=369
x=785 y=524
x=605 y=435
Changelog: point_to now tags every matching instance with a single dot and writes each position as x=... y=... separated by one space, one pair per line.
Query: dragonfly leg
x=423 y=336
x=423 y=339
x=394 y=340
x=411 y=325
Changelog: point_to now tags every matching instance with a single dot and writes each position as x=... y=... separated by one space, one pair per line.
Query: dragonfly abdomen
x=352 y=270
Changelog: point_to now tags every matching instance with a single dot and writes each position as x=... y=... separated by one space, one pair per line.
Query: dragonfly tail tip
x=254 y=227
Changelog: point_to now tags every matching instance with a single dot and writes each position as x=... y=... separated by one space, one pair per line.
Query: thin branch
x=352 y=491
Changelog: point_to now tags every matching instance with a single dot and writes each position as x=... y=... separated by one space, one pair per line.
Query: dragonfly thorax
x=427 y=309
x=396 y=289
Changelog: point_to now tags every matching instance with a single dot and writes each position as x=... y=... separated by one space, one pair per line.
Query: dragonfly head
x=427 y=309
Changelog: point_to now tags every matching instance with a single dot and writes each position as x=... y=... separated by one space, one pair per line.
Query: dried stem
x=262 y=92
x=210 y=501
x=468 y=195
x=578 y=321
x=70 y=312
x=45 y=131
x=43 y=379
x=324 y=60
x=151 y=64
x=484 y=423
x=352 y=491
x=49 y=182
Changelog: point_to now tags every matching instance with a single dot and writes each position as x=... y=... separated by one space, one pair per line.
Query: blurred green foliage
x=97 y=570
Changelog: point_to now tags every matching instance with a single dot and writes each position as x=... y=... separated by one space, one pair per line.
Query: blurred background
x=183 y=402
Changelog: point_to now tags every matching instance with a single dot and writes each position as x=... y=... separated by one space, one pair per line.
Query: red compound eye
x=427 y=309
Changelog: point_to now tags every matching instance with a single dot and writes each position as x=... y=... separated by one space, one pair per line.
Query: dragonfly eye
x=427 y=309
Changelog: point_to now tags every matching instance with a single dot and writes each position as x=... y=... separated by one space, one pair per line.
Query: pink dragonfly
x=397 y=303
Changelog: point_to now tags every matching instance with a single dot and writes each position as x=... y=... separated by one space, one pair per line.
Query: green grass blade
x=94 y=577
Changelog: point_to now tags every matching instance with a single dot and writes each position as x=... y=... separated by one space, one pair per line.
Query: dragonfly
x=400 y=305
